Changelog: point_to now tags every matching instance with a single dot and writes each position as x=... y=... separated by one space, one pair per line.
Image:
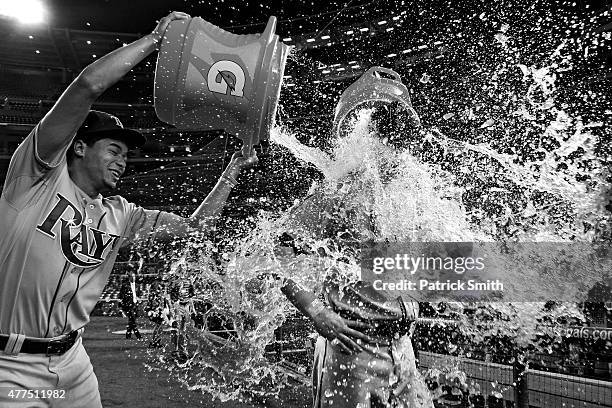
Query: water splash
x=513 y=162
x=412 y=200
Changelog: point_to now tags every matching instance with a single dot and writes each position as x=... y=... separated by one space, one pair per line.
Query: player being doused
x=364 y=355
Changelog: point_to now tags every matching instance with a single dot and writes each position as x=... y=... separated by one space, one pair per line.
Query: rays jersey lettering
x=82 y=245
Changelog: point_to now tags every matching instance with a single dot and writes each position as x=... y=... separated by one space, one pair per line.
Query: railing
x=539 y=388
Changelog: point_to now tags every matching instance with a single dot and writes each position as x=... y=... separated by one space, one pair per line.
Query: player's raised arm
x=212 y=205
x=58 y=127
x=170 y=226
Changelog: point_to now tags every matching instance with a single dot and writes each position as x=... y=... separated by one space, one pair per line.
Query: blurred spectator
x=129 y=305
x=156 y=308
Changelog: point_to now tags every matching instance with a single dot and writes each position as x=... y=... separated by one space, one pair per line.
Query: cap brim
x=132 y=138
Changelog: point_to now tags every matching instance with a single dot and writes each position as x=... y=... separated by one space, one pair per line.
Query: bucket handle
x=387 y=71
x=267 y=38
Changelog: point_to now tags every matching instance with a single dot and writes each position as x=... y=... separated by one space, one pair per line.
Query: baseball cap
x=100 y=125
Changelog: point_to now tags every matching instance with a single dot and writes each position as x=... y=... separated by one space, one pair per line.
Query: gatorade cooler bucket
x=375 y=87
x=207 y=78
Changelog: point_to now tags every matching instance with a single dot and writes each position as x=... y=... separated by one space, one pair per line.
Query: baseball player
x=364 y=355
x=60 y=236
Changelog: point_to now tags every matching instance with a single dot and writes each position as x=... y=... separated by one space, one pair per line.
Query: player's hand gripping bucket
x=377 y=86
x=207 y=78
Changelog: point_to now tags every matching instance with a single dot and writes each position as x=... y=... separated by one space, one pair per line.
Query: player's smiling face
x=105 y=162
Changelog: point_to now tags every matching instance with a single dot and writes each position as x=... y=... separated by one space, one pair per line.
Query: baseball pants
x=385 y=379
x=71 y=374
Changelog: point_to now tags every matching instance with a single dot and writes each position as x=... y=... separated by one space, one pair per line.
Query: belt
x=51 y=347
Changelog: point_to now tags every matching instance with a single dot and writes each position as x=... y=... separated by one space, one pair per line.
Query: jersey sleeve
x=26 y=159
x=144 y=224
x=313 y=214
x=26 y=169
x=325 y=214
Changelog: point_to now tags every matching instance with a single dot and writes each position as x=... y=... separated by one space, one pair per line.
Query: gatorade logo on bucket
x=219 y=80
x=224 y=76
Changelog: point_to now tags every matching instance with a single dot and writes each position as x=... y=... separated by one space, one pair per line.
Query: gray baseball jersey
x=58 y=245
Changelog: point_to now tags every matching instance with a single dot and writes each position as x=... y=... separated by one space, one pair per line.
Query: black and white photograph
x=306 y=204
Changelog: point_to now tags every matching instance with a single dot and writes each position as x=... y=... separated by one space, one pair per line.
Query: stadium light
x=25 y=11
